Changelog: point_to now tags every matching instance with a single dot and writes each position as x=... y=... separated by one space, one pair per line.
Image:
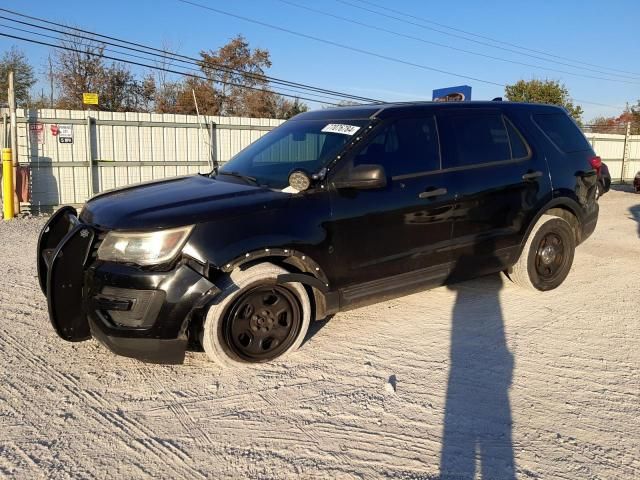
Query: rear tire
x=255 y=320
x=547 y=255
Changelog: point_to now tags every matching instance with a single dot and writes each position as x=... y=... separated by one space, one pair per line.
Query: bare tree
x=81 y=68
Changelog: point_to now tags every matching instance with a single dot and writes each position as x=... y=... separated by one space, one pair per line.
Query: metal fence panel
x=113 y=149
x=610 y=147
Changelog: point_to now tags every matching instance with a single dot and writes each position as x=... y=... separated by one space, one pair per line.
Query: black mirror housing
x=363 y=177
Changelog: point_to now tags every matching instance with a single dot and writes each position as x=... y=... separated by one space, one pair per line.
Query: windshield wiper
x=246 y=178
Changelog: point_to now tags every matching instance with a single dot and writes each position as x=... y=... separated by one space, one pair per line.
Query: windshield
x=297 y=144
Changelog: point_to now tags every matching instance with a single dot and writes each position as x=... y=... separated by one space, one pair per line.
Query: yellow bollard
x=8 y=209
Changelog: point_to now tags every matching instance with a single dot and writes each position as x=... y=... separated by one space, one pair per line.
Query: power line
x=339 y=45
x=155 y=67
x=175 y=56
x=408 y=15
x=165 y=56
x=316 y=96
x=357 y=50
x=450 y=47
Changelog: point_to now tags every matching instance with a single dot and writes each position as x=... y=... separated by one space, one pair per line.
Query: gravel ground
x=479 y=379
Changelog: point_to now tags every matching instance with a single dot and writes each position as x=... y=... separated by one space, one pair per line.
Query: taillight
x=596 y=162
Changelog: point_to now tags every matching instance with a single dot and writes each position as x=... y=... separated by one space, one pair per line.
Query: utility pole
x=50 y=83
x=14 y=135
x=626 y=154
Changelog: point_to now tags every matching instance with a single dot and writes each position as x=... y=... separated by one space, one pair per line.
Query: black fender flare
x=298 y=259
x=559 y=202
x=310 y=274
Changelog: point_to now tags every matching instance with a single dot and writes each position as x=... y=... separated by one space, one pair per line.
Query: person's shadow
x=477 y=420
x=635 y=214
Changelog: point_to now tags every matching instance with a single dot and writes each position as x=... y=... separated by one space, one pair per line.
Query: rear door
x=500 y=182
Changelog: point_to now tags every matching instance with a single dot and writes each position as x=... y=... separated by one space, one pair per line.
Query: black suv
x=332 y=210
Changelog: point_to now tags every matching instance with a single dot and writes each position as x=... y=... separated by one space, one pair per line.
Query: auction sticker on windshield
x=341 y=128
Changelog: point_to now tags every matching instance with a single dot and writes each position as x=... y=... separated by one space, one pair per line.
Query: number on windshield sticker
x=341 y=128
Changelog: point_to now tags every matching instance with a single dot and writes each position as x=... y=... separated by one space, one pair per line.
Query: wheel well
x=571 y=218
x=295 y=262
x=293 y=265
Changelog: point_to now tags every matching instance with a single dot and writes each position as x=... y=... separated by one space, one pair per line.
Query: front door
x=397 y=237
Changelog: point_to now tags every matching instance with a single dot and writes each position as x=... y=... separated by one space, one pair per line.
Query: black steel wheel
x=254 y=319
x=550 y=259
x=262 y=323
x=547 y=255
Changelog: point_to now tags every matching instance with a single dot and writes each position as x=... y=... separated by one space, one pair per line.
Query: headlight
x=143 y=248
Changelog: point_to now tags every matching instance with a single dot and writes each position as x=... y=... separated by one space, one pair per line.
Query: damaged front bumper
x=134 y=312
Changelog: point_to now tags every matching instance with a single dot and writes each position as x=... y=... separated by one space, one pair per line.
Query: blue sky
x=599 y=33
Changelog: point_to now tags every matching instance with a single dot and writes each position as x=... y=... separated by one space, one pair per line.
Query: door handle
x=531 y=175
x=433 y=193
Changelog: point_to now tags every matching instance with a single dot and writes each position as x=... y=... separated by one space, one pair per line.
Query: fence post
x=89 y=158
x=626 y=153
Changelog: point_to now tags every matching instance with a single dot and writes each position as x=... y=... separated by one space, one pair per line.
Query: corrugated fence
x=75 y=154
x=621 y=153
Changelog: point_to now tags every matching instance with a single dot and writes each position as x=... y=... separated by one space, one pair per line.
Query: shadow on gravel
x=622 y=187
x=477 y=420
x=315 y=327
x=635 y=215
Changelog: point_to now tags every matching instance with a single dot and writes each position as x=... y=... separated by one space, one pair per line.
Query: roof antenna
x=212 y=160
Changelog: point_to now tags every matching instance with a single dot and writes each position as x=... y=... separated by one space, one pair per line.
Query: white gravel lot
x=480 y=379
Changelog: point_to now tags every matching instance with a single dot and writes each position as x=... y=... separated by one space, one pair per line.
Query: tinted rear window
x=474 y=137
x=519 y=148
x=562 y=131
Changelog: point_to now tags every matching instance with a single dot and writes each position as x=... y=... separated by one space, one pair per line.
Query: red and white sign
x=36 y=132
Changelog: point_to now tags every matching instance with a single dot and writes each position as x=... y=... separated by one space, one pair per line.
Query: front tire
x=256 y=320
x=547 y=256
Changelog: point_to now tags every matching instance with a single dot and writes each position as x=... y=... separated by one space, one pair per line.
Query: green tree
x=543 y=91
x=24 y=76
x=634 y=117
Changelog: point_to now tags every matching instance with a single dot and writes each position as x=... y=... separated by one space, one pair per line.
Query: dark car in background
x=636 y=183
x=334 y=209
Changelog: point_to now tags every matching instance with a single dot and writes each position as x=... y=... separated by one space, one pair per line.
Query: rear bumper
x=134 y=312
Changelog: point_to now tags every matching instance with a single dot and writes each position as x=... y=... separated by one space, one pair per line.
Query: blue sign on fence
x=461 y=93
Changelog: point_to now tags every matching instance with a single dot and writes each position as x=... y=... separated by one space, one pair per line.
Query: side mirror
x=363 y=177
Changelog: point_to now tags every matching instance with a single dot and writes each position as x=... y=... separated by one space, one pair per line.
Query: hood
x=176 y=202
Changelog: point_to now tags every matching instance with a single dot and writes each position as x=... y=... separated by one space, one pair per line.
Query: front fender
x=297 y=230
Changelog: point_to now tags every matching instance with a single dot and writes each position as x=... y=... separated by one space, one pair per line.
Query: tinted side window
x=519 y=148
x=405 y=146
x=562 y=131
x=474 y=137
